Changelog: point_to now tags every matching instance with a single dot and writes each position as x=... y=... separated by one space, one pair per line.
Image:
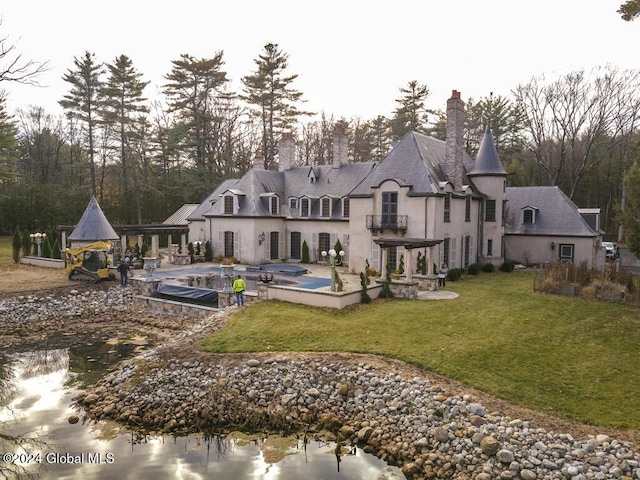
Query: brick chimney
x=454 y=139
x=340 y=145
x=258 y=161
x=286 y=152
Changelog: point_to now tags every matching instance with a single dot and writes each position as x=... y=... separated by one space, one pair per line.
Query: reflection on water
x=36 y=388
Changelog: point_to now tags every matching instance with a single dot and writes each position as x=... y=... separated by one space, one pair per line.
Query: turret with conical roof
x=487 y=161
x=489 y=179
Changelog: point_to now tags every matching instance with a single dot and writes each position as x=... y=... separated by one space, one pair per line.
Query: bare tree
x=15 y=68
x=567 y=119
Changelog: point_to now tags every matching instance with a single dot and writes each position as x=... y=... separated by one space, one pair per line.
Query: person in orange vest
x=239 y=287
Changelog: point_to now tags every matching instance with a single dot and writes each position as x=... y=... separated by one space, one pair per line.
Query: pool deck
x=318 y=277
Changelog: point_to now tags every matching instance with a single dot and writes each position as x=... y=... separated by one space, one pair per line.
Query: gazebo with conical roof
x=92 y=227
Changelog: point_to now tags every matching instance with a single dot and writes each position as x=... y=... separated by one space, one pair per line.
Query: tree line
x=143 y=158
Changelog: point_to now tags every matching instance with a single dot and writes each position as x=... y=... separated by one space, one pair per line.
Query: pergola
x=409 y=245
x=137 y=231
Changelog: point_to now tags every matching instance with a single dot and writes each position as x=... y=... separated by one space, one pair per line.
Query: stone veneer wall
x=174 y=308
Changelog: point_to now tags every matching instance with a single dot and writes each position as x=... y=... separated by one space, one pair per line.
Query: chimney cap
x=455 y=94
x=287 y=135
x=340 y=128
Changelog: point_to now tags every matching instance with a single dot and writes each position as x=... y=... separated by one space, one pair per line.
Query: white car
x=609 y=249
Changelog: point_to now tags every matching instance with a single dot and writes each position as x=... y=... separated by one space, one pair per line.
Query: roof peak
x=487 y=161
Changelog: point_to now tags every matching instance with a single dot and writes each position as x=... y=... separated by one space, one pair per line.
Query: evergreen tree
x=123 y=101
x=208 y=252
x=16 y=243
x=46 y=247
x=55 y=249
x=411 y=114
x=631 y=215
x=194 y=86
x=271 y=98
x=338 y=246
x=8 y=144
x=630 y=10
x=27 y=243
x=505 y=119
x=83 y=101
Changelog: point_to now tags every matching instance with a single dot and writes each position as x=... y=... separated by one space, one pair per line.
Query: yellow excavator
x=89 y=263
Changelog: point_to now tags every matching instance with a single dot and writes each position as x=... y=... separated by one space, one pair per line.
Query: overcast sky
x=351 y=56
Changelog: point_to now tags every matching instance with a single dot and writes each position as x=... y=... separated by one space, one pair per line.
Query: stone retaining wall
x=171 y=307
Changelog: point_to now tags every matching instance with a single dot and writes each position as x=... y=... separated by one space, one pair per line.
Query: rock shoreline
x=404 y=419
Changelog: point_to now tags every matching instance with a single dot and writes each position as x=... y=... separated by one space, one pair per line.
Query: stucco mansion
x=426 y=193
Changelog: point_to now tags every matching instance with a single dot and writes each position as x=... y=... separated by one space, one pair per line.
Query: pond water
x=37 y=440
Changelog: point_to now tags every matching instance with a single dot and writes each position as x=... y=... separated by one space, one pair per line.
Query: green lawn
x=569 y=357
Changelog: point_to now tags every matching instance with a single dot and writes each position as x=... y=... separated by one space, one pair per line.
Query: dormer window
x=293 y=203
x=304 y=207
x=228 y=204
x=529 y=215
x=312 y=176
x=326 y=207
x=274 y=205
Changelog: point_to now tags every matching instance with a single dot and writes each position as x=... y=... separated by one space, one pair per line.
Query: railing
x=387 y=222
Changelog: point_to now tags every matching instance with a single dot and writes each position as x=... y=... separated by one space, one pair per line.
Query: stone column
x=432 y=278
x=409 y=263
x=383 y=267
x=154 y=245
x=63 y=246
x=183 y=243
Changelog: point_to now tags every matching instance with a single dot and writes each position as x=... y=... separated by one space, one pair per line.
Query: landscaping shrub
x=208 y=252
x=46 y=247
x=364 y=295
x=338 y=246
x=454 y=274
x=474 y=269
x=421 y=264
x=26 y=243
x=507 y=266
x=16 y=244
x=488 y=267
x=55 y=250
x=305 y=252
x=386 y=289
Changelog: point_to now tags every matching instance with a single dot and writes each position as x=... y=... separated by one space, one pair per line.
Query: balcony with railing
x=380 y=223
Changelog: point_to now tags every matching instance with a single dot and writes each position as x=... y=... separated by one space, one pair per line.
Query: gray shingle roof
x=254 y=183
x=205 y=206
x=487 y=161
x=334 y=182
x=415 y=161
x=556 y=214
x=254 y=188
x=93 y=225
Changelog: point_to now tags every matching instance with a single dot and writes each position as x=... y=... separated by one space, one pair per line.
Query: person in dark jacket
x=123 y=270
